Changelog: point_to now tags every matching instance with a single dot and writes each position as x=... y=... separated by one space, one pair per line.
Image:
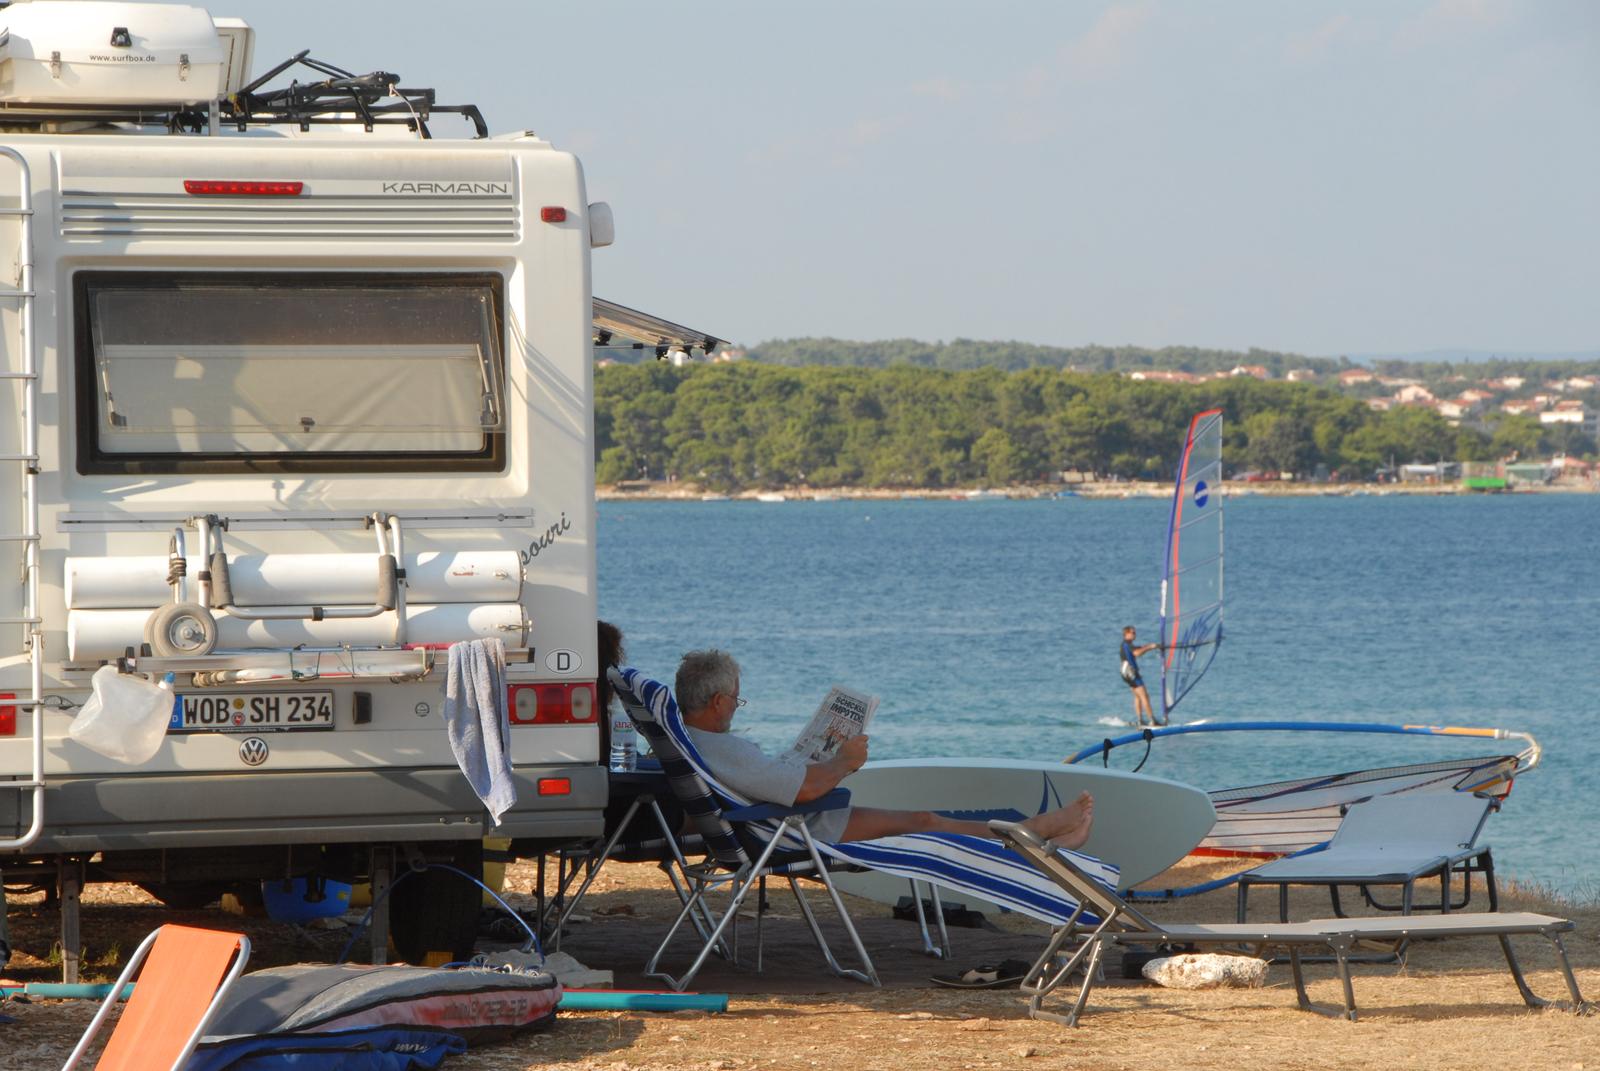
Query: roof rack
x=376 y=99
x=341 y=98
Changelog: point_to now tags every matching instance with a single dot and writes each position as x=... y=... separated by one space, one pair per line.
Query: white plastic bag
x=126 y=718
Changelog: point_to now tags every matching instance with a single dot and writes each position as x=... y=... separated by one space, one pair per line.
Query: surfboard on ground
x=1143 y=824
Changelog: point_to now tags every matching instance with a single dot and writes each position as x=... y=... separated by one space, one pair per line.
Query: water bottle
x=624 y=742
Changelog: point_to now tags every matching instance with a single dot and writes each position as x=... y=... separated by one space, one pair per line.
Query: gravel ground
x=1452 y=1004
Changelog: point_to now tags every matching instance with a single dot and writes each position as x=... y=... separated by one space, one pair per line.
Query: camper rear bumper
x=88 y=814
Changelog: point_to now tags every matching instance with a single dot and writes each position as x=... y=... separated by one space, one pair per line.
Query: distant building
x=1351 y=376
x=1300 y=375
x=1434 y=473
x=1473 y=394
x=1452 y=411
x=1414 y=394
x=1399 y=381
x=1521 y=406
x=1506 y=383
x=1256 y=370
x=1156 y=376
x=1573 y=411
x=1380 y=404
x=1583 y=383
x=1527 y=472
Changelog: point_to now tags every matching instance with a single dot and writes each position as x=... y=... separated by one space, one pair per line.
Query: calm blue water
x=991 y=629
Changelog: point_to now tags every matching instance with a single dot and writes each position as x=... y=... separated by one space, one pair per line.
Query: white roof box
x=87 y=52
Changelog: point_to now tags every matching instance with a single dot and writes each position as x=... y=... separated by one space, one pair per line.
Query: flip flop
x=1002 y=975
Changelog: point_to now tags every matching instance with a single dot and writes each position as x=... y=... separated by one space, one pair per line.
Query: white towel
x=476 y=720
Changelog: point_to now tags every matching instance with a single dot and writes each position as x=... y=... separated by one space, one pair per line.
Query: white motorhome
x=296 y=396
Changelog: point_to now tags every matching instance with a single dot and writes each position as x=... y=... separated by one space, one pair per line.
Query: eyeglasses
x=738 y=701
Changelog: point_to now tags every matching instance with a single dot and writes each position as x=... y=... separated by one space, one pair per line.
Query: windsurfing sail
x=1191 y=589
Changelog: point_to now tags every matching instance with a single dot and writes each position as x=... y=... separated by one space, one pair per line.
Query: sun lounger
x=186 y=972
x=1123 y=924
x=1396 y=839
x=748 y=841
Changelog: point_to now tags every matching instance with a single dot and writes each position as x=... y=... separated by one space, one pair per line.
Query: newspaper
x=843 y=714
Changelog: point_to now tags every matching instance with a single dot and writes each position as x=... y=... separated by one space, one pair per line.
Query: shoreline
x=675 y=491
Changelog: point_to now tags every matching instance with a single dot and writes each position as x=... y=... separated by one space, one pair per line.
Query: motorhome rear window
x=289 y=373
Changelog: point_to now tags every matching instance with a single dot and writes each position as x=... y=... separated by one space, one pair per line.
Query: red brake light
x=551 y=704
x=8 y=715
x=555 y=786
x=230 y=188
x=553 y=214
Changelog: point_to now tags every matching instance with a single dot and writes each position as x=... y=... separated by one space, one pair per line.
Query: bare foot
x=1068 y=826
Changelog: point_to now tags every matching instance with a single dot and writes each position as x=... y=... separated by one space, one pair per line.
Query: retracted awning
x=619 y=327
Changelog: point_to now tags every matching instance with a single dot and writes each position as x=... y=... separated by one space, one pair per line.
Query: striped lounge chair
x=748 y=841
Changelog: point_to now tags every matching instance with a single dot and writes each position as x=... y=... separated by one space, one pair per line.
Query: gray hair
x=701 y=675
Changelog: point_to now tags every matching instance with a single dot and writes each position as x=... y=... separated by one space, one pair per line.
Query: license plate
x=251 y=712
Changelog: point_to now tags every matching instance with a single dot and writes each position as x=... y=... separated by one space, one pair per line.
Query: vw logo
x=253 y=751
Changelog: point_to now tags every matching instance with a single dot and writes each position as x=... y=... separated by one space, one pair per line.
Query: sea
x=991 y=628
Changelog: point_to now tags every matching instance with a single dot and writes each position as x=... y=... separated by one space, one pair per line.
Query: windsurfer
x=1130 y=675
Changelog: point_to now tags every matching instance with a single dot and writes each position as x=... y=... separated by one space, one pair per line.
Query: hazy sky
x=1325 y=178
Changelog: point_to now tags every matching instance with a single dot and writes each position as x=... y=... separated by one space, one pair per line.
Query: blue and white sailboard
x=1191 y=585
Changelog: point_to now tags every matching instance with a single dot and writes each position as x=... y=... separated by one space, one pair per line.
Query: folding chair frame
x=675 y=867
x=711 y=874
x=240 y=958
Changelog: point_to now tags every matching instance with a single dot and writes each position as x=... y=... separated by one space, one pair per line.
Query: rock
x=976 y=1024
x=1206 y=971
x=915 y=1015
x=1025 y=1051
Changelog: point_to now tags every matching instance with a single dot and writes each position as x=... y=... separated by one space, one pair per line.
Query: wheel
x=433 y=914
x=180 y=629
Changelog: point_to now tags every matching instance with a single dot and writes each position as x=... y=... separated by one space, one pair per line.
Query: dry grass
x=1452 y=1004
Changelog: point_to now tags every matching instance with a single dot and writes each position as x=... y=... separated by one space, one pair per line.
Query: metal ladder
x=28 y=536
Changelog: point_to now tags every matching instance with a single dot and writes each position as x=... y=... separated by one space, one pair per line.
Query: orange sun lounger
x=186 y=973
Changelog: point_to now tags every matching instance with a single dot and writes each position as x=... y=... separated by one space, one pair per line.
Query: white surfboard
x=1143 y=824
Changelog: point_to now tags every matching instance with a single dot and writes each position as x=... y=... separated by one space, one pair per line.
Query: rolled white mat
x=459 y=576
x=93 y=635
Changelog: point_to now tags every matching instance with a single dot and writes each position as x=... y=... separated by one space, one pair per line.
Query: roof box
x=85 y=52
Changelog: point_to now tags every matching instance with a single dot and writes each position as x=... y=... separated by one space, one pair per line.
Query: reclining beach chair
x=748 y=842
x=1123 y=924
x=183 y=975
x=1396 y=839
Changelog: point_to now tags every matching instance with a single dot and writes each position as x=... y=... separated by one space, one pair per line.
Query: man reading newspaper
x=707 y=690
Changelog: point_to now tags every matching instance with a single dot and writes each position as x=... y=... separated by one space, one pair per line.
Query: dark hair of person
x=611 y=654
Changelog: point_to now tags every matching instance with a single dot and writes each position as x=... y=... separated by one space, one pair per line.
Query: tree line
x=961 y=353
x=737 y=425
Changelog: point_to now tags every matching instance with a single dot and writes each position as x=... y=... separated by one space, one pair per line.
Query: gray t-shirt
x=744 y=767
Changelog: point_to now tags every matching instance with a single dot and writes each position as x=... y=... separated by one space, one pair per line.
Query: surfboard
x=1143 y=824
